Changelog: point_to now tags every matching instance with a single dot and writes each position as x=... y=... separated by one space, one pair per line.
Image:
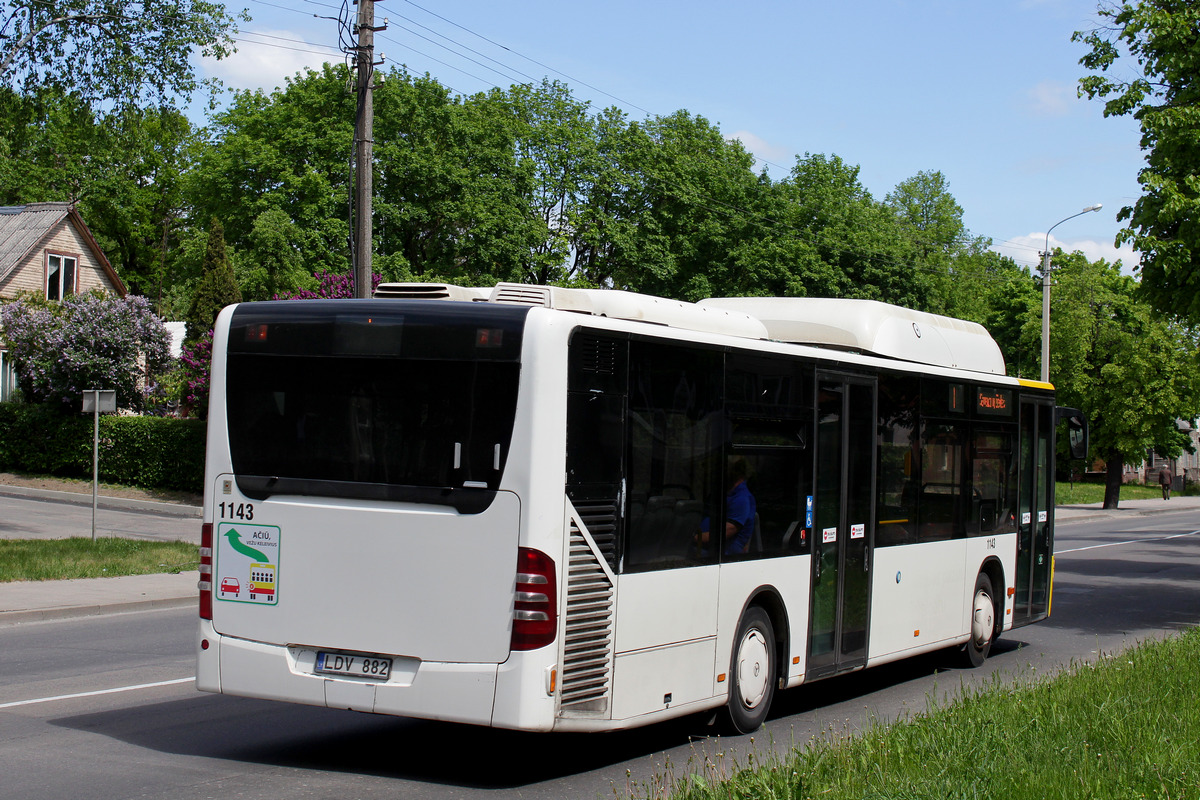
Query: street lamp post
x=1046 y=293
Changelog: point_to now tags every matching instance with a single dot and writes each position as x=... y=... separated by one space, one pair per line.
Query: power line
x=284 y=46
x=711 y=204
x=438 y=44
x=527 y=58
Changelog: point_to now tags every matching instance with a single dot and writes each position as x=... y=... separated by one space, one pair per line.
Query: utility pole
x=364 y=136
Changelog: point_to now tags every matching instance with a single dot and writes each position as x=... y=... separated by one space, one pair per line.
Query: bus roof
x=865 y=326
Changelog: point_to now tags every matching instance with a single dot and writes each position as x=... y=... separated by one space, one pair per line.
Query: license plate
x=357 y=666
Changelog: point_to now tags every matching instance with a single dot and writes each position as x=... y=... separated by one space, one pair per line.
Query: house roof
x=24 y=228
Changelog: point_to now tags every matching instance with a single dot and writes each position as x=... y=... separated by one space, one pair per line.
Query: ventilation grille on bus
x=429 y=291
x=597 y=355
x=588 y=642
x=523 y=294
x=600 y=518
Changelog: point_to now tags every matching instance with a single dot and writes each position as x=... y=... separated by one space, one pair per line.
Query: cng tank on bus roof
x=870 y=326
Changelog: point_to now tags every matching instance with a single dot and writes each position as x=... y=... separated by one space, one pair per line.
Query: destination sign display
x=994 y=402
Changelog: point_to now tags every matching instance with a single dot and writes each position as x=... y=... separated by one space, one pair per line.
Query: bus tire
x=752 y=672
x=983 y=622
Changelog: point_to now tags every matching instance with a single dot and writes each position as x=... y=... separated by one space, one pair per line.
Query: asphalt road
x=1118 y=582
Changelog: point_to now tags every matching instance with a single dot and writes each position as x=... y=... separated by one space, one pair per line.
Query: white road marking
x=93 y=694
x=1131 y=541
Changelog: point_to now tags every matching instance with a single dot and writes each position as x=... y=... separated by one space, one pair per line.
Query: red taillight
x=535 y=614
x=206 y=565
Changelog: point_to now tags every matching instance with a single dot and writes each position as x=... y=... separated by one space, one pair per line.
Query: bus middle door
x=844 y=524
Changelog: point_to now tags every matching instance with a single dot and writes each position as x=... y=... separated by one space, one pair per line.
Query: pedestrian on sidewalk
x=1164 y=480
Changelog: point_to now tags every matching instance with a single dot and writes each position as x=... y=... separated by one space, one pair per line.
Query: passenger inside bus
x=740 y=513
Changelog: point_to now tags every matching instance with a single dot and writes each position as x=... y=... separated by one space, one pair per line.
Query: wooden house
x=47 y=249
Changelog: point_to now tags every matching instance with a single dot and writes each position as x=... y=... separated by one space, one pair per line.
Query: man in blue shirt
x=740 y=508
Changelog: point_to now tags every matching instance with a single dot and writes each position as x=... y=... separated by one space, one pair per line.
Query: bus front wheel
x=983 y=622
x=752 y=672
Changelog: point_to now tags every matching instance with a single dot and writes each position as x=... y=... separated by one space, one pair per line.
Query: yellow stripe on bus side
x=1034 y=384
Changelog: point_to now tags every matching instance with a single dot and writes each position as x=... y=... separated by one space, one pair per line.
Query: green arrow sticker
x=235 y=541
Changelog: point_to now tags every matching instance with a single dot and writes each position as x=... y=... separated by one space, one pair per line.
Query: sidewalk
x=1129 y=508
x=27 y=601
x=39 y=600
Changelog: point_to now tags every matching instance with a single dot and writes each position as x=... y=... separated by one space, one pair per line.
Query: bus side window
x=898 y=481
x=675 y=432
x=943 y=505
x=769 y=402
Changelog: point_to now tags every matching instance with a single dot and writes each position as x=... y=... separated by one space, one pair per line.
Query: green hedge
x=151 y=452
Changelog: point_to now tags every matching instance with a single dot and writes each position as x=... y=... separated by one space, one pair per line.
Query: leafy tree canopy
x=218 y=286
x=1162 y=38
x=123 y=52
x=1130 y=370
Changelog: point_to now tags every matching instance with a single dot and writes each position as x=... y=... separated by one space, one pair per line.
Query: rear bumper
x=424 y=689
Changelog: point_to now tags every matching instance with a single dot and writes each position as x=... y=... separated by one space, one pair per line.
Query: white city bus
x=494 y=508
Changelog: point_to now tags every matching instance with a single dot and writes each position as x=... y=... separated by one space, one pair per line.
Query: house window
x=61 y=273
x=8 y=378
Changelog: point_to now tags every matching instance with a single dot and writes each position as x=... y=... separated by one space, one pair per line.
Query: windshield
x=388 y=399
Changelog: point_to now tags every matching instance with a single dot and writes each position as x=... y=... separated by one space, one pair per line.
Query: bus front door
x=1035 y=499
x=843 y=528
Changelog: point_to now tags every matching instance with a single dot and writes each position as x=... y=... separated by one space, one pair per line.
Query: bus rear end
x=358 y=548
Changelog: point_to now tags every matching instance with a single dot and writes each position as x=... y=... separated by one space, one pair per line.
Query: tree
x=1131 y=371
x=272 y=264
x=556 y=151
x=686 y=202
x=287 y=151
x=86 y=341
x=125 y=170
x=449 y=194
x=844 y=242
x=124 y=52
x=956 y=263
x=45 y=141
x=1163 y=38
x=218 y=286
x=134 y=197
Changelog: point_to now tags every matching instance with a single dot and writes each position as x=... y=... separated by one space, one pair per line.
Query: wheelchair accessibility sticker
x=246 y=563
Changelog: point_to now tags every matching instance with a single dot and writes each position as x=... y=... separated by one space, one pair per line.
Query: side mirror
x=1077 y=430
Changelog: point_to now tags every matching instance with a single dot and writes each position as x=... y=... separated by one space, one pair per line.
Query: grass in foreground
x=1125 y=727
x=79 y=557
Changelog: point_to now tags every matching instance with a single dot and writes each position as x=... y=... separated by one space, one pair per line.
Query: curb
x=93 y=610
x=110 y=503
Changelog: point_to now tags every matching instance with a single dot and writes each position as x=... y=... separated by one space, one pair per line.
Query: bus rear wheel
x=752 y=672
x=983 y=623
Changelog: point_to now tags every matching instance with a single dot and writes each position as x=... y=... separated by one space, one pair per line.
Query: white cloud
x=264 y=64
x=1052 y=99
x=1027 y=249
x=762 y=149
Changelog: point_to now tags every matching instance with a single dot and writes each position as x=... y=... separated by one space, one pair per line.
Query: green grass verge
x=57 y=559
x=1073 y=494
x=1124 y=727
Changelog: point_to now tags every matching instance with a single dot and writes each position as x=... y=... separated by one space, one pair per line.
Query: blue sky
x=983 y=92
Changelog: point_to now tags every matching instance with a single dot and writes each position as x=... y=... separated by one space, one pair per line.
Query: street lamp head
x=1096 y=207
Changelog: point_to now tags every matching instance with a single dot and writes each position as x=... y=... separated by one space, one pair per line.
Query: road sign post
x=95 y=401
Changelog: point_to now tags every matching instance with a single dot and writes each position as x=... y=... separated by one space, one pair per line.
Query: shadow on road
x=284 y=735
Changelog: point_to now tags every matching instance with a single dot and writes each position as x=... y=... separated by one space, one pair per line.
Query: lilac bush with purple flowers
x=331 y=286
x=195 y=362
x=86 y=341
